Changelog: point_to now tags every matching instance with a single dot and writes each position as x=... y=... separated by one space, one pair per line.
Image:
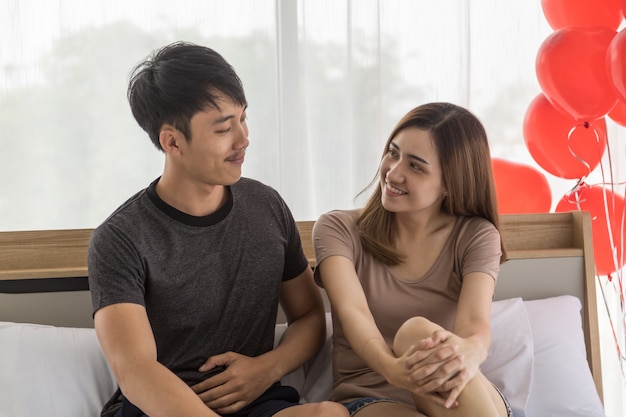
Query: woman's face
x=411 y=179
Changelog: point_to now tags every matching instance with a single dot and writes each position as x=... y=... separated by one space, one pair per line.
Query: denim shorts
x=509 y=411
x=356 y=405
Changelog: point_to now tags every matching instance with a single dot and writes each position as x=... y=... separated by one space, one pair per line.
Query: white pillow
x=509 y=363
x=52 y=371
x=562 y=382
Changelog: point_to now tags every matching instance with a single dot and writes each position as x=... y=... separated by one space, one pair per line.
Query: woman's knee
x=411 y=331
x=331 y=409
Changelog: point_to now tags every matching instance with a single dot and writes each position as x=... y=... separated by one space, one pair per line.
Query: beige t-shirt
x=473 y=246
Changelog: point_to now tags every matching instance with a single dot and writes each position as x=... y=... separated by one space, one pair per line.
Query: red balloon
x=520 y=188
x=559 y=144
x=616 y=63
x=562 y=13
x=571 y=70
x=618 y=114
x=607 y=234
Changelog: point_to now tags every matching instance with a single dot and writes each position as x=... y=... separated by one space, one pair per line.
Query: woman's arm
x=350 y=305
x=472 y=322
x=471 y=334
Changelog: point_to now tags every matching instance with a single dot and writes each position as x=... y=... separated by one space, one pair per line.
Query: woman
x=411 y=276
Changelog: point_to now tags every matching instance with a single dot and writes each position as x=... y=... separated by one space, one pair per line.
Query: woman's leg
x=479 y=397
x=321 y=409
x=388 y=408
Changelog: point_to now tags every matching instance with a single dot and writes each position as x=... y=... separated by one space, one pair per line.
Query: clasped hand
x=438 y=367
x=243 y=380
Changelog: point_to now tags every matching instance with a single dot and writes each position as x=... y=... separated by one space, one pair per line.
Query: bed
x=544 y=355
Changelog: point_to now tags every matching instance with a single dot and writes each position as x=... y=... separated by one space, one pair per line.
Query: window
x=326 y=81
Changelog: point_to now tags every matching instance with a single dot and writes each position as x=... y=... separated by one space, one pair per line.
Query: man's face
x=217 y=148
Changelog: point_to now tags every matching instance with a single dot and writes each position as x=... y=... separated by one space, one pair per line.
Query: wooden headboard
x=43 y=274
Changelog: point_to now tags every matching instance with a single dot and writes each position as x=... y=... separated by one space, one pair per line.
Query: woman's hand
x=424 y=363
x=442 y=365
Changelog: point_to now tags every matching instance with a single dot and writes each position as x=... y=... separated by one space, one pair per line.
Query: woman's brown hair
x=463 y=150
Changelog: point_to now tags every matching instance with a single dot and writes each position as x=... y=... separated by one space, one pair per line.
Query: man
x=186 y=276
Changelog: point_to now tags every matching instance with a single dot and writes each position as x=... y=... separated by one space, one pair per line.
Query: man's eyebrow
x=226 y=118
x=223 y=119
x=415 y=157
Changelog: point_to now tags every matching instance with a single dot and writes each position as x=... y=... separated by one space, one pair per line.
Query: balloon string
x=586 y=125
x=617 y=283
x=616 y=263
x=574 y=196
x=620 y=356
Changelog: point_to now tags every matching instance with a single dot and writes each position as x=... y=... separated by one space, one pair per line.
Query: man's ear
x=169 y=138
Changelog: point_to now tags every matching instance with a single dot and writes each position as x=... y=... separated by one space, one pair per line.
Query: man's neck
x=192 y=198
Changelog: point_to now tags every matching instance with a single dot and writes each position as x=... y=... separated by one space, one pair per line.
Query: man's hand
x=243 y=380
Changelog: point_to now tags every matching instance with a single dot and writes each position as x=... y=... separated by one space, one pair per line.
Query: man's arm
x=127 y=341
x=303 y=306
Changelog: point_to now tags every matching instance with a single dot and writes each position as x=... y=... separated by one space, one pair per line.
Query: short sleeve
x=295 y=259
x=116 y=274
x=334 y=234
x=481 y=248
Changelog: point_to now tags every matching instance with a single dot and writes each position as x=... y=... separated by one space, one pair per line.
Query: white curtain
x=326 y=81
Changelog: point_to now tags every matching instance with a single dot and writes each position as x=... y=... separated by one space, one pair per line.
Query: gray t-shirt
x=209 y=284
x=473 y=246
